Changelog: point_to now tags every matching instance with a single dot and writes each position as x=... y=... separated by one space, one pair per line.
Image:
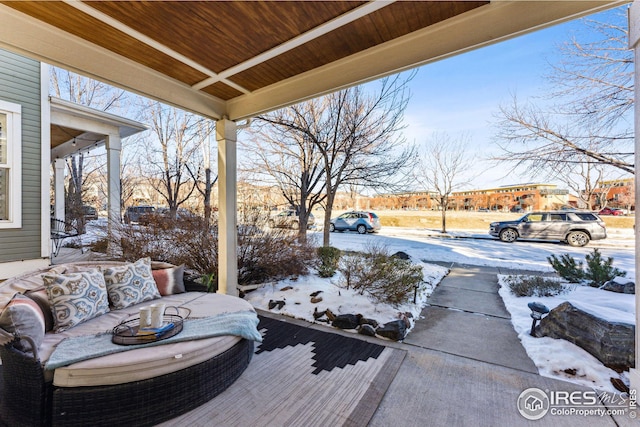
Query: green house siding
x=20 y=84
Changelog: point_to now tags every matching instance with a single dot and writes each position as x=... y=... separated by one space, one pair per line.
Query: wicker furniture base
x=26 y=398
x=140 y=403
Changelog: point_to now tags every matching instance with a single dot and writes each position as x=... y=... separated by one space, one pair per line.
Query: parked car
x=181 y=213
x=90 y=213
x=611 y=211
x=362 y=222
x=574 y=227
x=289 y=219
x=137 y=214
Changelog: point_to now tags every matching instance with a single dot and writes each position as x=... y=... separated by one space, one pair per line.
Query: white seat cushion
x=141 y=363
x=138 y=364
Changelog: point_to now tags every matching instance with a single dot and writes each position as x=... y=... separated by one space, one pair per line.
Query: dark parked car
x=137 y=213
x=90 y=213
x=362 y=222
x=576 y=228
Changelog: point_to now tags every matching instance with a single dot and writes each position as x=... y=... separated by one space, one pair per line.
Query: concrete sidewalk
x=465 y=365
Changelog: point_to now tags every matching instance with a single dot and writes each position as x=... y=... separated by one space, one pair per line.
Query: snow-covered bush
x=386 y=278
x=534 y=286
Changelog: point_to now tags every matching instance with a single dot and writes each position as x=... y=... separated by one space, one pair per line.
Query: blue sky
x=461 y=94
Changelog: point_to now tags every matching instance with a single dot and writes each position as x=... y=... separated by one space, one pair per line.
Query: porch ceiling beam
x=150 y=42
x=492 y=23
x=319 y=31
x=36 y=39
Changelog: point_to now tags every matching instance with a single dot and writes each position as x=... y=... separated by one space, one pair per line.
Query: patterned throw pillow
x=169 y=280
x=130 y=284
x=76 y=297
x=22 y=317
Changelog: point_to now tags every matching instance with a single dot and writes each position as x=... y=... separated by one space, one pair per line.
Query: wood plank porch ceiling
x=230 y=52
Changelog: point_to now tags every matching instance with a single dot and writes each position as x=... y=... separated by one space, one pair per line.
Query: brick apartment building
x=519 y=197
x=525 y=197
x=618 y=193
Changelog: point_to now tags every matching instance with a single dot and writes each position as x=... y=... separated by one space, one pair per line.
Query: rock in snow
x=612 y=343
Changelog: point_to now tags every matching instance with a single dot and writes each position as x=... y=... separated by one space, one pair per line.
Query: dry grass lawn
x=465 y=220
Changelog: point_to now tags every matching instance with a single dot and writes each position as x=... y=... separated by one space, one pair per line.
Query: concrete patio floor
x=465 y=364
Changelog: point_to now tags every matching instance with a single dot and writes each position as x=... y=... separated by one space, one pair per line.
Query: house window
x=10 y=165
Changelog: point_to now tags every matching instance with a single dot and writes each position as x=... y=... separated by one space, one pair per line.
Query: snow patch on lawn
x=556 y=358
x=339 y=300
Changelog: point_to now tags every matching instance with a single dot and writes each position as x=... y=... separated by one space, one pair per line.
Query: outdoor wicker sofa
x=133 y=386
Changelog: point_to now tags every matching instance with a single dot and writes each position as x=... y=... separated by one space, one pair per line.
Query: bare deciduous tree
x=174 y=132
x=204 y=172
x=283 y=152
x=443 y=164
x=627 y=197
x=588 y=117
x=354 y=135
x=91 y=93
x=585 y=180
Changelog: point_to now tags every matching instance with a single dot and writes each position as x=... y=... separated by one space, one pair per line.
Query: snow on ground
x=429 y=247
x=554 y=356
x=339 y=300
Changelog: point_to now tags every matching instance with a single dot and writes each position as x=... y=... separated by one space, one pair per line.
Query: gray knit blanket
x=76 y=349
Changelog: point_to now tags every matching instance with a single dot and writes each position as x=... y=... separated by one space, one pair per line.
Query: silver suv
x=362 y=222
x=574 y=227
x=289 y=219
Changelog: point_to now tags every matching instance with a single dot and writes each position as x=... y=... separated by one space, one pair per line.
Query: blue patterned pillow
x=76 y=297
x=130 y=284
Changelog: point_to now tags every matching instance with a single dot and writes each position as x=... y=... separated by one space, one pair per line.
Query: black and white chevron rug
x=303 y=376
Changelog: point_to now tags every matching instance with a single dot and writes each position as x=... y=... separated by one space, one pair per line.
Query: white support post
x=114 y=146
x=634 y=43
x=226 y=136
x=58 y=188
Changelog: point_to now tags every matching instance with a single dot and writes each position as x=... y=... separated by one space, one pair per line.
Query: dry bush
x=99 y=245
x=535 y=286
x=266 y=254
x=386 y=278
x=155 y=239
x=263 y=254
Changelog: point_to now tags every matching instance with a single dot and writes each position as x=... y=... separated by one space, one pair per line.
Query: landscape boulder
x=621 y=288
x=346 y=321
x=371 y=322
x=394 y=330
x=612 y=343
x=366 y=329
x=401 y=255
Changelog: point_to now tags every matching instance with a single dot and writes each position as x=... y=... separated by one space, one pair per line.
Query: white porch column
x=113 y=145
x=58 y=188
x=226 y=136
x=634 y=42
